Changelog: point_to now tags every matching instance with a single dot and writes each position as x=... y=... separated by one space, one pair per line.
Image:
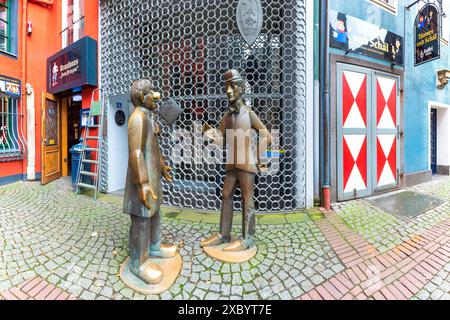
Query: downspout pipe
x=325 y=102
x=24 y=55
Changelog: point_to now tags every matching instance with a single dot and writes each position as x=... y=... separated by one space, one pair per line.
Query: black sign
x=358 y=36
x=72 y=67
x=10 y=86
x=427 y=35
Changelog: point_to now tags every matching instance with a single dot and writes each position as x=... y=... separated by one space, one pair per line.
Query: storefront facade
x=185 y=48
x=40 y=122
x=383 y=136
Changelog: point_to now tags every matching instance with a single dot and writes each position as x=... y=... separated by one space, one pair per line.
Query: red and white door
x=367 y=132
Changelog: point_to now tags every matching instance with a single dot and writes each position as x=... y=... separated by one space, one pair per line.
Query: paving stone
x=85 y=255
x=87 y=295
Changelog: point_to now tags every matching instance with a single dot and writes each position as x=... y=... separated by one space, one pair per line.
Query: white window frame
x=77 y=19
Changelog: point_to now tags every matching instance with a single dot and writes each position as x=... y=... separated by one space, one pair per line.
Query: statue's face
x=233 y=91
x=150 y=99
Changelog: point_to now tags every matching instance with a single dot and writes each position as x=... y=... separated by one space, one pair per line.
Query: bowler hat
x=233 y=75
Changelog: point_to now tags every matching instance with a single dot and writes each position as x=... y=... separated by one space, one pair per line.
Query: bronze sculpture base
x=171 y=268
x=216 y=252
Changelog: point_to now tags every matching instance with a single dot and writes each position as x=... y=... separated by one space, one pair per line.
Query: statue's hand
x=262 y=167
x=166 y=173
x=145 y=192
x=213 y=134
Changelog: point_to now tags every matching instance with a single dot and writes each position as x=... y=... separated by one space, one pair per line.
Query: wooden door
x=51 y=139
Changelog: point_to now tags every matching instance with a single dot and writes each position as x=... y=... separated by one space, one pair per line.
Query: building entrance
x=71 y=119
x=367 y=132
x=433 y=140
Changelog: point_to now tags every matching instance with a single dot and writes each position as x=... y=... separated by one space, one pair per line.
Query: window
x=72 y=21
x=5 y=28
x=389 y=5
x=12 y=144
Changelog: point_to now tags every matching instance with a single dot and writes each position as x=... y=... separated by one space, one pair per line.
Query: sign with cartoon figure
x=427 y=42
x=352 y=34
x=74 y=66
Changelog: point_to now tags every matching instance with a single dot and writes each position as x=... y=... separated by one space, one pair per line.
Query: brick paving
x=74 y=246
x=36 y=289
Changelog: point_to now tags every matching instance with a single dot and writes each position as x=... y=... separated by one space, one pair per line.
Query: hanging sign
x=358 y=36
x=10 y=86
x=427 y=43
x=249 y=19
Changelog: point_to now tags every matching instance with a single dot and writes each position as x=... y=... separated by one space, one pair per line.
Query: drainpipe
x=31 y=134
x=325 y=102
x=316 y=102
x=24 y=62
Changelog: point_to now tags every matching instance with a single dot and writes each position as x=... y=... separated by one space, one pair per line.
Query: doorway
x=51 y=139
x=433 y=140
x=368 y=145
x=71 y=129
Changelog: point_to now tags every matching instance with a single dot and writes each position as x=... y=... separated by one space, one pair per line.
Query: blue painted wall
x=420 y=82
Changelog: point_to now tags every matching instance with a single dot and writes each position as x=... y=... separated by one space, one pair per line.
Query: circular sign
x=120 y=118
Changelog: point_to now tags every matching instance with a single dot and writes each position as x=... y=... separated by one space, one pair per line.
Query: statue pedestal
x=216 y=252
x=171 y=268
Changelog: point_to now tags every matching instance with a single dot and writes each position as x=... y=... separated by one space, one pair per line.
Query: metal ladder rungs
x=87 y=186
x=87 y=173
x=95 y=120
x=90 y=161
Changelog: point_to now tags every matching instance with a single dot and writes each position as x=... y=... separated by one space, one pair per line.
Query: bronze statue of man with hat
x=243 y=163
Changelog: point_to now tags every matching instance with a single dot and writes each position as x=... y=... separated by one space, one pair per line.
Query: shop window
x=72 y=21
x=389 y=5
x=12 y=143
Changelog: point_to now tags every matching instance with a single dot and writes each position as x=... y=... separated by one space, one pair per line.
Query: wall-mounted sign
x=249 y=16
x=10 y=86
x=427 y=35
x=358 y=36
x=74 y=66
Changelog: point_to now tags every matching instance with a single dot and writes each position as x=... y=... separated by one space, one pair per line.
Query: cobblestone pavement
x=76 y=244
x=384 y=230
x=387 y=257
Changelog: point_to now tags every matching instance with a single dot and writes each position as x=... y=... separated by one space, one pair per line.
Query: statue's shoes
x=213 y=240
x=237 y=246
x=150 y=273
x=166 y=251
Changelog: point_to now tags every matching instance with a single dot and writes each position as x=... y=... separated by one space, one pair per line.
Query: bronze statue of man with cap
x=243 y=163
x=143 y=191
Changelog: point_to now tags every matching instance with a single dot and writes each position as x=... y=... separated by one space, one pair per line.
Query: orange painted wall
x=91 y=30
x=44 y=41
x=11 y=67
